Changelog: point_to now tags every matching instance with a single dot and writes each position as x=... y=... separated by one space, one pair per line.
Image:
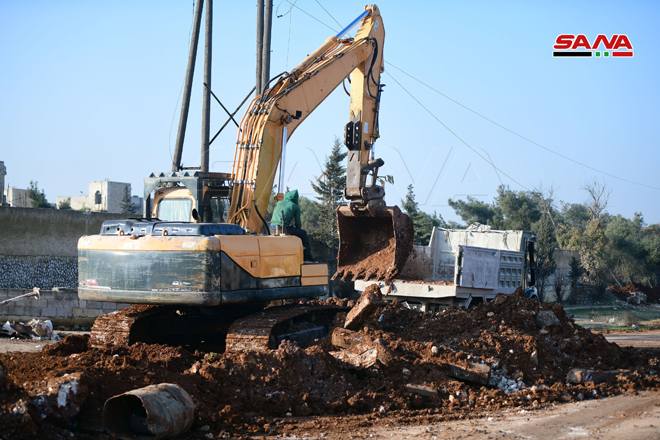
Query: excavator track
x=265 y=330
x=235 y=329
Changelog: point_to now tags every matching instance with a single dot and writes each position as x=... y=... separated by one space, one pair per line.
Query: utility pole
x=265 y=58
x=206 y=105
x=260 y=44
x=185 y=105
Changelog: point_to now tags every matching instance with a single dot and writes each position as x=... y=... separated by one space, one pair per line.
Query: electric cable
x=456 y=135
x=326 y=11
x=519 y=135
x=293 y=5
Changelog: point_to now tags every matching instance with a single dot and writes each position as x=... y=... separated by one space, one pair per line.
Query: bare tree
x=599 y=195
x=547 y=205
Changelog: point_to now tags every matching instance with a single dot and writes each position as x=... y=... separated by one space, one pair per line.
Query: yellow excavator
x=203 y=261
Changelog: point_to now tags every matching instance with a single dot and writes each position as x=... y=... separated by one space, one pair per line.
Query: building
x=103 y=196
x=3 y=173
x=17 y=198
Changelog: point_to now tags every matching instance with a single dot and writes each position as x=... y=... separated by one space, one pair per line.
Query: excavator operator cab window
x=216 y=209
x=175 y=209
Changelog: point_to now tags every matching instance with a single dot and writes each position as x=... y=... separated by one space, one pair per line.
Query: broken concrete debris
x=472 y=372
x=580 y=375
x=35 y=329
x=369 y=301
x=547 y=318
x=422 y=390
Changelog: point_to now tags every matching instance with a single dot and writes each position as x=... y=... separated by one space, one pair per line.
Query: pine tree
x=126 y=205
x=37 y=197
x=330 y=190
x=423 y=223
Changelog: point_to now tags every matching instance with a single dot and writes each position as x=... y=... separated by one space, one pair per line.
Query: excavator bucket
x=372 y=247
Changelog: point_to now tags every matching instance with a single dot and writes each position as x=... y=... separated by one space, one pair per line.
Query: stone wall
x=61 y=306
x=39 y=247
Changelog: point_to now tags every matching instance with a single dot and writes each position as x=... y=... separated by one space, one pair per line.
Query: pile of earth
x=283 y=390
x=622 y=293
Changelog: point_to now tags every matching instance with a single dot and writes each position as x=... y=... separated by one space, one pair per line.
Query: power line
x=457 y=136
x=310 y=15
x=519 y=135
x=326 y=11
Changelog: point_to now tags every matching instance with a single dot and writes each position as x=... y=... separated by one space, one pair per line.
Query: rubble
x=35 y=329
x=580 y=375
x=369 y=301
x=388 y=368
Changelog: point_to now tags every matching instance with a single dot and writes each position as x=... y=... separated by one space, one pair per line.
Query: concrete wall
x=563 y=259
x=38 y=247
x=61 y=306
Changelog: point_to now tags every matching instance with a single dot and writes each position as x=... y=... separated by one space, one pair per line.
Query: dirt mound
x=622 y=293
x=528 y=350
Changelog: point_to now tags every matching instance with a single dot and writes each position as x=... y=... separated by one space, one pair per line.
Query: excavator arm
x=273 y=116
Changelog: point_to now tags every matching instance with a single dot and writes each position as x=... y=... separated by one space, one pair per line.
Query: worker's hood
x=292 y=196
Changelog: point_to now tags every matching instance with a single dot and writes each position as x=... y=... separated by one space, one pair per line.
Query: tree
x=64 y=204
x=575 y=274
x=37 y=197
x=330 y=190
x=423 y=223
x=475 y=211
x=547 y=243
x=126 y=205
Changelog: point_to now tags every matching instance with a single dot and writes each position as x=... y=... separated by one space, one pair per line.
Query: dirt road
x=637 y=339
x=622 y=417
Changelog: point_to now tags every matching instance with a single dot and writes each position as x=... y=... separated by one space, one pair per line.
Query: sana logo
x=617 y=46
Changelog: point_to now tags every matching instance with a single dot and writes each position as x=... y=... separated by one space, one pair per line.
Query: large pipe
x=265 y=63
x=185 y=105
x=206 y=105
x=260 y=43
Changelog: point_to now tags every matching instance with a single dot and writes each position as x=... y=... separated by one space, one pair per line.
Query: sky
x=92 y=91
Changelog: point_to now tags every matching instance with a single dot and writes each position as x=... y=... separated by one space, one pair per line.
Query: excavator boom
x=273 y=117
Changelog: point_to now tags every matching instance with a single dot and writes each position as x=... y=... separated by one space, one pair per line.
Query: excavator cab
x=187 y=196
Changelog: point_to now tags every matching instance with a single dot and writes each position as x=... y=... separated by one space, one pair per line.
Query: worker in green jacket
x=287 y=215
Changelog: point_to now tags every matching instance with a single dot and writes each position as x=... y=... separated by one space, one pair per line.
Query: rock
x=366 y=305
x=535 y=357
x=344 y=338
x=579 y=375
x=547 y=318
x=364 y=355
x=435 y=350
x=636 y=298
x=478 y=373
x=422 y=390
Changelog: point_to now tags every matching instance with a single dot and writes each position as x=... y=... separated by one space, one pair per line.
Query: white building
x=105 y=196
x=17 y=198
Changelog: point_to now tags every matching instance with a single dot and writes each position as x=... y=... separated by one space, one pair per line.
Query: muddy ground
x=295 y=391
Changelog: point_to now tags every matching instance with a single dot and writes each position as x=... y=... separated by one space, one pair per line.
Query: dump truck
x=463 y=267
x=203 y=260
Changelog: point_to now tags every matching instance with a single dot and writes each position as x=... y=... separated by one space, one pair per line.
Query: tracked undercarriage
x=232 y=329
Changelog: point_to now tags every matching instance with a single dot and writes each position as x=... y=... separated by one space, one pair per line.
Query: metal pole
x=206 y=105
x=185 y=105
x=265 y=63
x=281 y=184
x=260 y=42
